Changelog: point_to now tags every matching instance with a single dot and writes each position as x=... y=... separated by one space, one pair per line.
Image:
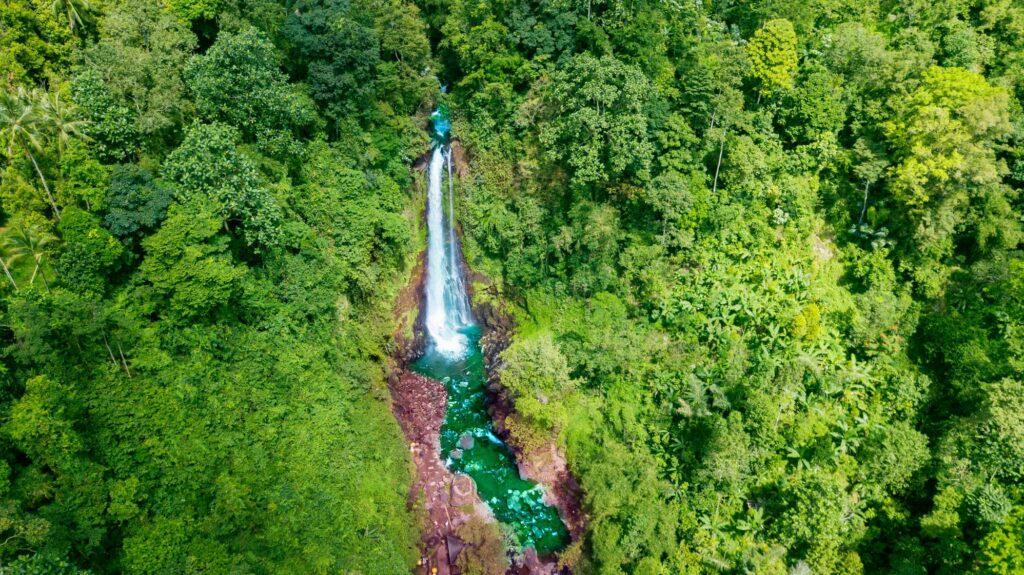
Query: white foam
x=447 y=303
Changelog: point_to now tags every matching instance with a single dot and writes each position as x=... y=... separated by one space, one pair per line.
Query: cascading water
x=447 y=303
x=453 y=357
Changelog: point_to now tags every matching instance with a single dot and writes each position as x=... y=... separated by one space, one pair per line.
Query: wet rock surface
x=449 y=500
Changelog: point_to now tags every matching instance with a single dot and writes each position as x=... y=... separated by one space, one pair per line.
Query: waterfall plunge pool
x=469 y=446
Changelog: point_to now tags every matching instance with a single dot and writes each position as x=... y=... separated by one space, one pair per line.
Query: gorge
x=452 y=355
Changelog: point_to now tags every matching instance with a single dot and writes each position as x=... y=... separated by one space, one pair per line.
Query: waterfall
x=448 y=311
x=463 y=316
x=454 y=358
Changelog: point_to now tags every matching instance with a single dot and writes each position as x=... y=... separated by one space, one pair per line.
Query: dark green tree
x=208 y=167
x=596 y=121
x=238 y=82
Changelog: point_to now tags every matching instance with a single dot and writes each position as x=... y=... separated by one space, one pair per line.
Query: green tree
x=45 y=425
x=136 y=202
x=773 y=59
x=63 y=119
x=597 y=123
x=238 y=82
x=208 y=166
x=1002 y=550
x=138 y=61
x=484 y=553
x=188 y=263
x=23 y=129
x=83 y=177
x=26 y=242
x=36 y=44
x=359 y=214
x=112 y=126
x=189 y=10
x=89 y=253
x=947 y=180
x=337 y=50
x=42 y=565
x=7 y=272
x=537 y=375
x=73 y=10
x=41 y=423
x=815 y=110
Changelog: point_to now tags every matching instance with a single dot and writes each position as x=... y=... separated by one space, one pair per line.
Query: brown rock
x=463 y=491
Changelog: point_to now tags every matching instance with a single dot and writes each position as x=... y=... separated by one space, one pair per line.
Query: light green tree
x=187 y=261
x=947 y=179
x=189 y=10
x=773 y=58
x=538 y=376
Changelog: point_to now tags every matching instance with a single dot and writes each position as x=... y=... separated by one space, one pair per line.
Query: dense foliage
x=764 y=258
x=197 y=268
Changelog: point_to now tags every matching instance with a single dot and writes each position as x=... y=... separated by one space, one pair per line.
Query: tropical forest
x=523 y=287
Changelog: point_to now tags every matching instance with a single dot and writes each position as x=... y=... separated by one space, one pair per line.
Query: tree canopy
x=762 y=262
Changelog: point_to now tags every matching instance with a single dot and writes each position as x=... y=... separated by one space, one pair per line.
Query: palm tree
x=72 y=9
x=62 y=118
x=62 y=121
x=20 y=242
x=7 y=271
x=22 y=127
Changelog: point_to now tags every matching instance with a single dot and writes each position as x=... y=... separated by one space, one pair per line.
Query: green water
x=516 y=502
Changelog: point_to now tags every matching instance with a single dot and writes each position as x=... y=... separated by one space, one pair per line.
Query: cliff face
x=410 y=334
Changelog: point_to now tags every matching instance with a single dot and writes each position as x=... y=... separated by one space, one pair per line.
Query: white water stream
x=448 y=311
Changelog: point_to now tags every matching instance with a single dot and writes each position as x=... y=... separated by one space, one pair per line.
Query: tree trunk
x=123 y=360
x=46 y=284
x=8 y=272
x=46 y=186
x=864 y=205
x=109 y=351
x=721 y=149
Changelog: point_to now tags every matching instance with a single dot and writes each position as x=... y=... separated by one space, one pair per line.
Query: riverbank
x=545 y=463
x=446 y=502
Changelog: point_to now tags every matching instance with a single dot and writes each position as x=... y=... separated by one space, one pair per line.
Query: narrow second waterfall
x=453 y=357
